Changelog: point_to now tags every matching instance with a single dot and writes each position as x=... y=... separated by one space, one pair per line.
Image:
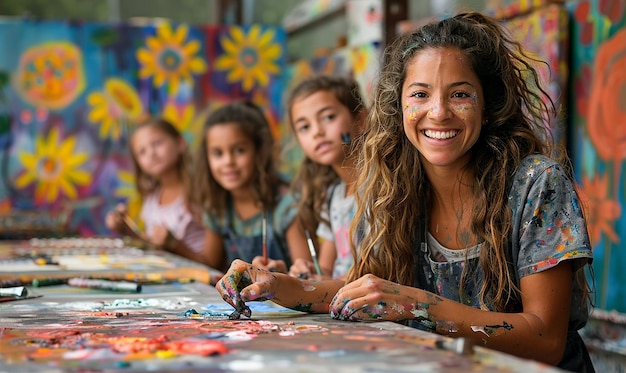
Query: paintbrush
x=132 y=225
x=309 y=243
x=264 y=238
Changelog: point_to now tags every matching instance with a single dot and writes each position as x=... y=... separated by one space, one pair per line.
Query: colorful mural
x=544 y=35
x=70 y=94
x=598 y=142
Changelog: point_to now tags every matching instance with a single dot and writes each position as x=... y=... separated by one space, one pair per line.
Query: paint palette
x=104 y=258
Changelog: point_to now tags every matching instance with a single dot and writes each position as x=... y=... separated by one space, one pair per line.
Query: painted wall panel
x=71 y=94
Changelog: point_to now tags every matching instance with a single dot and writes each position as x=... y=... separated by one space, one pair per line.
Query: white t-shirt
x=341 y=215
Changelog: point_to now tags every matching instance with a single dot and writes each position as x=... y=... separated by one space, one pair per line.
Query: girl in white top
x=326 y=113
x=162 y=178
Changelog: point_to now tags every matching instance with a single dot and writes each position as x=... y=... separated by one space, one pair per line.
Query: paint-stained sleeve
x=549 y=226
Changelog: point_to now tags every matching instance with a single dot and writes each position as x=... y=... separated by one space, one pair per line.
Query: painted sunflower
x=117 y=103
x=168 y=59
x=54 y=167
x=250 y=58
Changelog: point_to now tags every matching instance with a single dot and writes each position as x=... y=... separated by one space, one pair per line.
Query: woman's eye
x=418 y=94
x=460 y=95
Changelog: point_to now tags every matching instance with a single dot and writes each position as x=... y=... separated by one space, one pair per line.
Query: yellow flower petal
x=266 y=39
x=95 y=99
x=144 y=56
x=164 y=31
x=271 y=53
x=253 y=34
x=66 y=148
x=76 y=160
x=262 y=78
x=230 y=47
x=80 y=177
x=191 y=48
x=235 y=75
x=180 y=35
x=28 y=160
x=159 y=80
x=25 y=179
x=225 y=62
x=197 y=66
x=53 y=140
x=248 y=82
x=52 y=191
x=173 y=87
x=68 y=189
x=153 y=43
x=237 y=34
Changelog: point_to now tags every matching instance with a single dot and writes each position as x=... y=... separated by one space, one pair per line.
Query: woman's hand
x=244 y=282
x=372 y=298
x=271 y=265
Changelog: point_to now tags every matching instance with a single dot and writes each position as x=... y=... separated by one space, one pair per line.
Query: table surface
x=67 y=329
x=101 y=257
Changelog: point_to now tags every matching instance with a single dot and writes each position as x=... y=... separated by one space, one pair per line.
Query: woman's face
x=442 y=104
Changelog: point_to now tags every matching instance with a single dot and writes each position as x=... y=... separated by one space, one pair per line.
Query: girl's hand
x=244 y=282
x=372 y=298
x=159 y=235
x=302 y=268
x=271 y=265
x=114 y=220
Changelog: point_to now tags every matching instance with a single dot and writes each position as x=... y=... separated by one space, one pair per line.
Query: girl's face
x=319 y=122
x=231 y=155
x=442 y=103
x=156 y=152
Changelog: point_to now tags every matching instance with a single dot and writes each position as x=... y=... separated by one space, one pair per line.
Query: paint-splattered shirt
x=548 y=227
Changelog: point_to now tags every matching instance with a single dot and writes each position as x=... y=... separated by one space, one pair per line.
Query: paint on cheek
x=462 y=110
x=411 y=112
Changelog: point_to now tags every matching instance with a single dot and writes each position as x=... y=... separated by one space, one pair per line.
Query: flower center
x=48 y=166
x=249 y=57
x=170 y=60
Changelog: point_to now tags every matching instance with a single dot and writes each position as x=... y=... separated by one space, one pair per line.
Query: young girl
x=326 y=114
x=473 y=230
x=246 y=204
x=162 y=177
